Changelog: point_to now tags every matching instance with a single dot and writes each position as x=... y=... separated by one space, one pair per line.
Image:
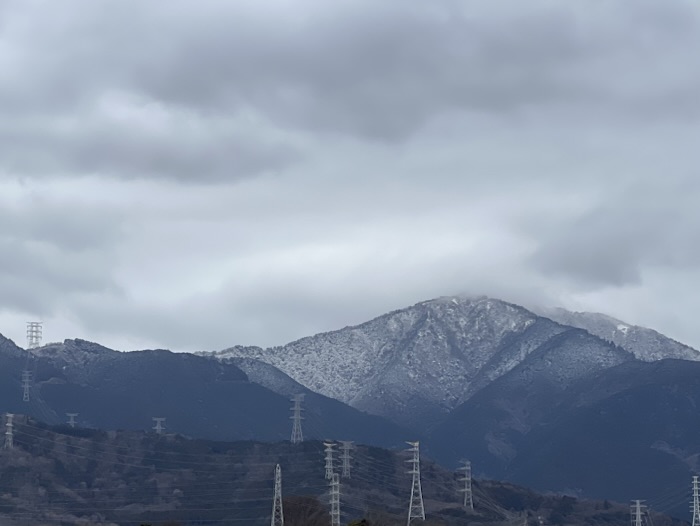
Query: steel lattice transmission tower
x=26 y=385
x=9 y=437
x=329 y=459
x=637 y=510
x=416 y=510
x=160 y=425
x=467 y=489
x=345 y=448
x=34 y=334
x=71 y=418
x=695 y=507
x=335 y=500
x=297 y=435
x=277 y=512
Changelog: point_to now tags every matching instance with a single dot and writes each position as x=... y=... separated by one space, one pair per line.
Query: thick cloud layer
x=200 y=174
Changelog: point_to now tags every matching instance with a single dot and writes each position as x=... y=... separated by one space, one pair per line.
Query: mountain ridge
x=414 y=365
x=200 y=397
x=647 y=344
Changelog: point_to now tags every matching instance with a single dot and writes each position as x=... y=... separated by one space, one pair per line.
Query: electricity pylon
x=71 y=418
x=636 y=512
x=467 y=489
x=160 y=425
x=329 y=459
x=34 y=334
x=26 y=384
x=695 y=508
x=416 y=510
x=277 y=512
x=335 y=500
x=9 y=438
x=297 y=435
x=345 y=447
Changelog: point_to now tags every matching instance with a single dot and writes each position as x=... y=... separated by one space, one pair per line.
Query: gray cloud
x=358 y=156
x=185 y=148
x=214 y=92
x=50 y=252
x=646 y=225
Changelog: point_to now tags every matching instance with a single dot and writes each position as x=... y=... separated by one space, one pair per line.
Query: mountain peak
x=418 y=362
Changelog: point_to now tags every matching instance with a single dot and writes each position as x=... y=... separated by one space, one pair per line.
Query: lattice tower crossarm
x=416 y=510
x=277 y=511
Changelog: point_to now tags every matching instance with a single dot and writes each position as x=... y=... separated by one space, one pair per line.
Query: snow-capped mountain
x=645 y=344
x=414 y=365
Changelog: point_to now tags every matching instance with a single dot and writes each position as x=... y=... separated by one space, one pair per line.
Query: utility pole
x=160 y=425
x=345 y=447
x=329 y=459
x=26 y=384
x=335 y=500
x=277 y=512
x=9 y=437
x=467 y=489
x=71 y=418
x=297 y=435
x=695 y=508
x=636 y=511
x=415 y=507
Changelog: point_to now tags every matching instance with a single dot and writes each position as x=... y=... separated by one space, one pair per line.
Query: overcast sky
x=198 y=174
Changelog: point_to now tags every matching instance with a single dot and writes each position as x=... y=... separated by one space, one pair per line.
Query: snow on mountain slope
x=434 y=336
x=415 y=364
x=645 y=344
